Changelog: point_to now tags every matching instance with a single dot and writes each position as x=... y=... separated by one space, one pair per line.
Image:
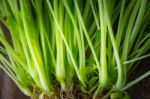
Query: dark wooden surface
x=8 y=90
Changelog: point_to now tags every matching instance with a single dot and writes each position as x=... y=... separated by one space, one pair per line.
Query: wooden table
x=8 y=89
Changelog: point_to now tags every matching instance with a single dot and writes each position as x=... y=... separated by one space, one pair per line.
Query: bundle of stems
x=54 y=46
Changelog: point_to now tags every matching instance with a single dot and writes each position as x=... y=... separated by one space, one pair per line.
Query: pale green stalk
x=103 y=57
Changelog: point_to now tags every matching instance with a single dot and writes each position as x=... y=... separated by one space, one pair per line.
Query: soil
x=142 y=89
x=8 y=90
